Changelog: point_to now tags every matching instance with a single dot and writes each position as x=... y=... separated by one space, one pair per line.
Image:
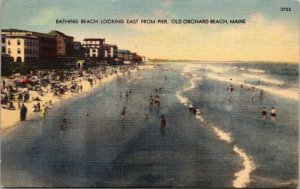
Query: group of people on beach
x=37 y=108
x=18 y=88
x=154 y=102
x=273 y=114
x=104 y=73
x=264 y=112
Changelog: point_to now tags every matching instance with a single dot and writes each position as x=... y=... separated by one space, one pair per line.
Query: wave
x=216 y=69
x=291 y=93
x=256 y=70
x=183 y=100
x=263 y=78
x=242 y=177
x=223 y=135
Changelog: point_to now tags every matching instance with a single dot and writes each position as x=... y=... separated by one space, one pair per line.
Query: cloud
x=159 y=13
x=46 y=16
x=163 y=8
x=257 y=18
x=167 y=3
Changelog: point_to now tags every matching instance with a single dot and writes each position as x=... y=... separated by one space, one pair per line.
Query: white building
x=111 y=51
x=95 y=48
x=22 y=48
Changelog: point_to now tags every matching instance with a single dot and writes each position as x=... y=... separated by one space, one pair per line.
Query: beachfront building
x=77 y=45
x=5 y=58
x=135 y=58
x=3 y=49
x=95 y=49
x=78 y=50
x=124 y=55
x=64 y=43
x=111 y=53
x=47 y=43
x=22 y=48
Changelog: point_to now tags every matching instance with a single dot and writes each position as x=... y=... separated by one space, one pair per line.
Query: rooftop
x=93 y=39
x=25 y=31
x=110 y=45
x=123 y=51
x=22 y=36
x=55 y=32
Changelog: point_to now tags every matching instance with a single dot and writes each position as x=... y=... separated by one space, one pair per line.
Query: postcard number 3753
x=285 y=9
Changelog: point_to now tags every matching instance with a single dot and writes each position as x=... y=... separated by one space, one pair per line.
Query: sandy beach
x=11 y=118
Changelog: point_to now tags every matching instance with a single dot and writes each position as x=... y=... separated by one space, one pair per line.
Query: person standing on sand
x=261 y=93
x=230 y=91
x=123 y=113
x=23 y=113
x=151 y=101
x=273 y=114
x=63 y=124
x=163 y=122
x=46 y=107
x=43 y=112
x=264 y=113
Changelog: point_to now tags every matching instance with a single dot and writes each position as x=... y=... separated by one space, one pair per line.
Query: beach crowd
x=36 y=91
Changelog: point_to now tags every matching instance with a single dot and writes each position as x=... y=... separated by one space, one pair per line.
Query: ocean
x=225 y=144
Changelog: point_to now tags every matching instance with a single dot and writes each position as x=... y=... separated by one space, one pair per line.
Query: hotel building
x=47 y=43
x=64 y=43
x=95 y=48
x=110 y=51
x=22 y=48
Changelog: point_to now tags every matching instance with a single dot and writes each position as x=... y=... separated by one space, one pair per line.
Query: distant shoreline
x=220 y=62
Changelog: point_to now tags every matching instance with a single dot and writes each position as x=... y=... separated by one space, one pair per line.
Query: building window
x=3 y=40
x=19 y=51
x=30 y=51
x=3 y=49
x=8 y=51
x=94 y=50
x=19 y=59
x=30 y=43
x=18 y=42
x=8 y=42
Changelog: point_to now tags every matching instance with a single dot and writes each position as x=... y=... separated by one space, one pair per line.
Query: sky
x=268 y=35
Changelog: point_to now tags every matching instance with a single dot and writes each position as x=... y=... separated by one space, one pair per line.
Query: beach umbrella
x=25 y=81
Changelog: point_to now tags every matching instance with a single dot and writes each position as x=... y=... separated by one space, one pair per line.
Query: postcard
x=150 y=94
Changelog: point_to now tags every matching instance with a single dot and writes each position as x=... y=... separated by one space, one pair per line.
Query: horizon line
x=219 y=61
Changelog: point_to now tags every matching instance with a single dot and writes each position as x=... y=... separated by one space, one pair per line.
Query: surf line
x=184 y=100
x=242 y=177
